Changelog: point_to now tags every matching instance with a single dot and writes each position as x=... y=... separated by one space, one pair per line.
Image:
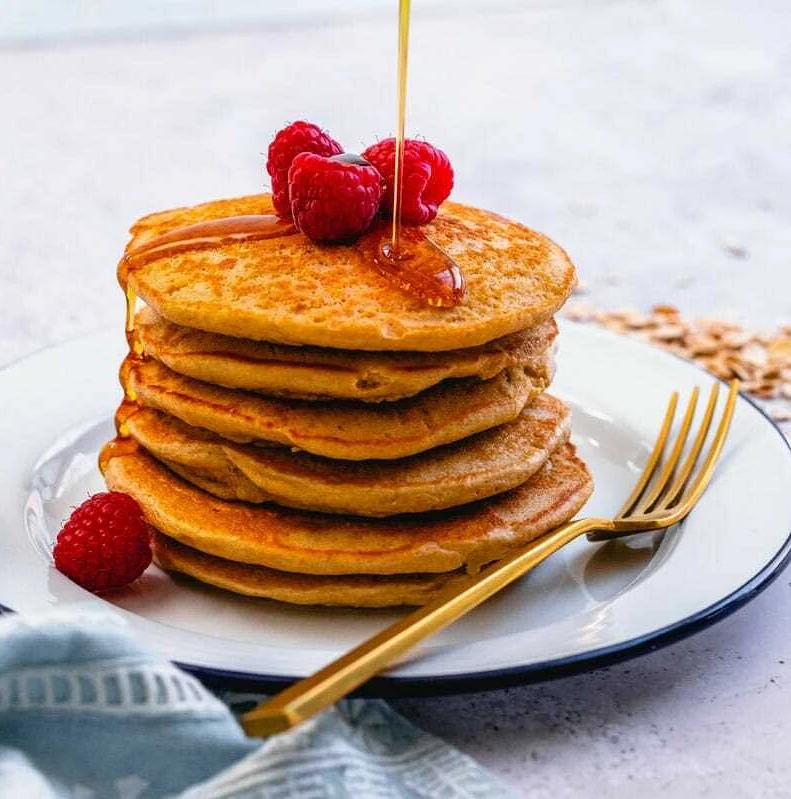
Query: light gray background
x=652 y=138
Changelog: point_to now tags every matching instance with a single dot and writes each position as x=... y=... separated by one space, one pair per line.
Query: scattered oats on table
x=725 y=348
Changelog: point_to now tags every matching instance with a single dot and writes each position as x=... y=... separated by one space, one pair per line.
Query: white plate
x=588 y=605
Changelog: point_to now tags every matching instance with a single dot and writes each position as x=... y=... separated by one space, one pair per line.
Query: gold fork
x=663 y=496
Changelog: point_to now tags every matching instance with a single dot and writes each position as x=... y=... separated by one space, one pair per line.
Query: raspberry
x=106 y=543
x=333 y=199
x=427 y=179
x=298 y=137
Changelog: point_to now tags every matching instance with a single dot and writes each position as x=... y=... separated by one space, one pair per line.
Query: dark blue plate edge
x=222 y=679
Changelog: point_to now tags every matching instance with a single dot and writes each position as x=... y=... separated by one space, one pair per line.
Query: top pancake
x=291 y=291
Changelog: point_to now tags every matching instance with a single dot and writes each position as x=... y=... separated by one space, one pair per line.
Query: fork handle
x=312 y=694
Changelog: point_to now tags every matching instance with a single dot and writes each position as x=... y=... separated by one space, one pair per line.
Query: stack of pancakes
x=306 y=431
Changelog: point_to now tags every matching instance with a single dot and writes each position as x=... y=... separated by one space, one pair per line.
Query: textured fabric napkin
x=88 y=712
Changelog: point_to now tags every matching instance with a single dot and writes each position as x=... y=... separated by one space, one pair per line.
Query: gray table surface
x=651 y=138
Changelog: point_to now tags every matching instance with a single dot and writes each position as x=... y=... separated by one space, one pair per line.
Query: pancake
x=456 y=474
x=348 y=430
x=314 y=543
x=357 y=590
x=316 y=372
x=195 y=454
x=232 y=486
x=292 y=291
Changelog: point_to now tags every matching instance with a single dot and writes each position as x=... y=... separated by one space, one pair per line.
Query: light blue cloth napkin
x=87 y=712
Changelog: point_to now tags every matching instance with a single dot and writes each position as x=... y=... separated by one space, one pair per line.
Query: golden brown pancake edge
x=352 y=590
x=346 y=430
x=321 y=373
x=314 y=543
x=488 y=463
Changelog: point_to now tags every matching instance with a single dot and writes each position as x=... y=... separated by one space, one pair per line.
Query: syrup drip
x=128 y=409
x=135 y=354
x=123 y=443
x=418 y=267
x=135 y=345
x=116 y=448
x=207 y=235
x=200 y=236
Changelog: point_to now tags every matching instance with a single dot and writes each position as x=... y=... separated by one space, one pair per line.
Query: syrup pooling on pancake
x=416 y=265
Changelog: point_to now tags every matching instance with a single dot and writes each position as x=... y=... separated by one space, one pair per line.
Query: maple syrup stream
x=408 y=257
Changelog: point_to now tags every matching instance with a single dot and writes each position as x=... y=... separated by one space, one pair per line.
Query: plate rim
x=525 y=674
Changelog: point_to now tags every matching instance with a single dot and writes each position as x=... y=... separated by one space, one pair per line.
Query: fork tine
x=653 y=460
x=669 y=468
x=674 y=492
x=703 y=477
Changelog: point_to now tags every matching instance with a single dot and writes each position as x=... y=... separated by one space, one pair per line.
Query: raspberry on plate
x=333 y=199
x=298 y=137
x=427 y=180
x=105 y=544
